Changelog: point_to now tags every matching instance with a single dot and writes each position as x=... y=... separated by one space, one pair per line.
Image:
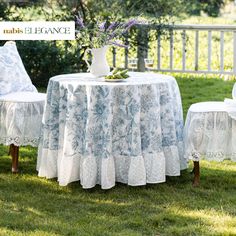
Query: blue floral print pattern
x=88 y=118
x=13 y=76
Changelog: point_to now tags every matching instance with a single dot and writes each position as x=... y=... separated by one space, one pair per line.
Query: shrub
x=211 y=7
x=44 y=59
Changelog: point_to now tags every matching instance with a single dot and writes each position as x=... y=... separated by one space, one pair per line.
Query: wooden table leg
x=14 y=151
x=196 y=171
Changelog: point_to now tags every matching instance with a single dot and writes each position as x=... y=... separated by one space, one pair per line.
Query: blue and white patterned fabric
x=21 y=106
x=13 y=76
x=100 y=132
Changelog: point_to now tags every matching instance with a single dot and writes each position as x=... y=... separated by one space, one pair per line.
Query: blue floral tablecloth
x=101 y=132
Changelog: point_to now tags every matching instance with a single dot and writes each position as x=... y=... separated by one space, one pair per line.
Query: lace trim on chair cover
x=215 y=156
x=17 y=141
x=195 y=156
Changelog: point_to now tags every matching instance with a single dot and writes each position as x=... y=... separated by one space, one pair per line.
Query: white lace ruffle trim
x=20 y=141
x=134 y=171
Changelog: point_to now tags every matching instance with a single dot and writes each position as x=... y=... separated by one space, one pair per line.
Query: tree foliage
x=44 y=59
x=210 y=7
x=3 y=10
x=160 y=10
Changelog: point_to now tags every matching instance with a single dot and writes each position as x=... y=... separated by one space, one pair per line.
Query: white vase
x=99 y=66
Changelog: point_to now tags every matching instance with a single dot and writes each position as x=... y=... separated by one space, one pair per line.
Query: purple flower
x=112 y=26
x=112 y=35
x=97 y=34
x=102 y=26
x=79 y=21
x=129 y=24
x=119 y=44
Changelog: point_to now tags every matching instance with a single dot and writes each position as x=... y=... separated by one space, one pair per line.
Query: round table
x=101 y=132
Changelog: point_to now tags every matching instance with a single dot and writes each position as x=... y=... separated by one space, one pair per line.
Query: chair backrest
x=234 y=91
x=13 y=76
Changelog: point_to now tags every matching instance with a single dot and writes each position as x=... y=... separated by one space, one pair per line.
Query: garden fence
x=221 y=30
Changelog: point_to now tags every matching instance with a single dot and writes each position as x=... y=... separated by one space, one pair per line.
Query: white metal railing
x=209 y=29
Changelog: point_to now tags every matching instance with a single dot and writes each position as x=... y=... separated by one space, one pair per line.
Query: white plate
x=115 y=80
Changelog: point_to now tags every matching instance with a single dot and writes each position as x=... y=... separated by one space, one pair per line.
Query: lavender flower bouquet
x=99 y=34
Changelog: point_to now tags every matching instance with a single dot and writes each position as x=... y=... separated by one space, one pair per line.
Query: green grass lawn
x=30 y=205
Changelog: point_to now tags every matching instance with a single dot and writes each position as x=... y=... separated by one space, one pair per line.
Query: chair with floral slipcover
x=21 y=106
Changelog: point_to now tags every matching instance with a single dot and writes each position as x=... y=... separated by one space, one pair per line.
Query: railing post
x=142 y=40
x=183 y=50
x=234 y=61
x=221 y=51
x=196 y=50
x=126 y=50
x=158 y=51
x=209 y=50
x=114 y=57
x=171 y=49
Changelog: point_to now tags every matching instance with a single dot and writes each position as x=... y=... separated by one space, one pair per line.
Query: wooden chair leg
x=196 y=171
x=9 y=151
x=14 y=151
x=192 y=171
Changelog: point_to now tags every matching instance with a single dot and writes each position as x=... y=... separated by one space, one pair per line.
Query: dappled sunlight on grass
x=227 y=165
x=171 y=208
x=8 y=232
x=214 y=222
x=111 y=202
